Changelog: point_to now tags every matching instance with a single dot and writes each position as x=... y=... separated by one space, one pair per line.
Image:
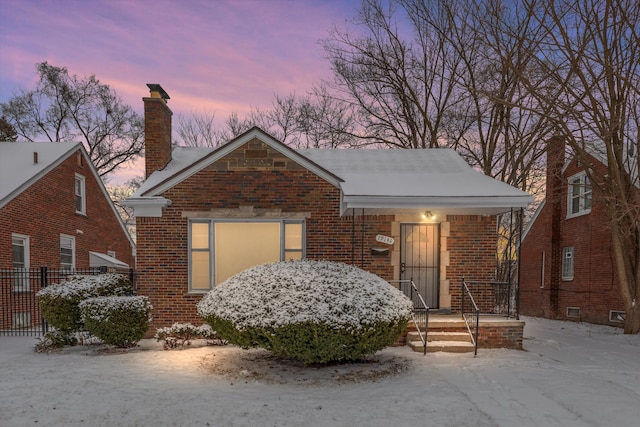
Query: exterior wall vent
x=573 y=312
x=616 y=316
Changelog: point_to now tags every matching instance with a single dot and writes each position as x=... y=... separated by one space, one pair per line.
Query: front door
x=419 y=259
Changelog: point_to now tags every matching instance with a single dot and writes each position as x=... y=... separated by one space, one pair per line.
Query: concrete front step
x=441 y=336
x=446 y=346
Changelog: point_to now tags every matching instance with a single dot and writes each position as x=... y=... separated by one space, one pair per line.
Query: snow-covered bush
x=181 y=334
x=117 y=320
x=59 y=302
x=312 y=311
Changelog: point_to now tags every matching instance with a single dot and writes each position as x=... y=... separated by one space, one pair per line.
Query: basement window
x=616 y=316
x=573 y=312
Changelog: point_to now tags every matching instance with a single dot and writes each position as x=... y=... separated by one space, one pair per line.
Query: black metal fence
x=19 y=310
x=498 y=298
x=420 y=314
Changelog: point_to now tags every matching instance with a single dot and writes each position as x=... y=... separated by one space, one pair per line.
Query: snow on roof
x=181 y=158
x=97 y=259
x=18 y=168
x=437 y=178
x=382 y=180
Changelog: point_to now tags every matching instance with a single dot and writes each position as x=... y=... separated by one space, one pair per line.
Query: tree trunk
x=632 y=320
x=626 y=265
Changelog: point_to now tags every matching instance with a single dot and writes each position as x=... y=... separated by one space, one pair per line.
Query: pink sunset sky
x=218 y=56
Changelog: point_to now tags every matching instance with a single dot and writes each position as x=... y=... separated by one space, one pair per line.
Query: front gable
x=254 y=150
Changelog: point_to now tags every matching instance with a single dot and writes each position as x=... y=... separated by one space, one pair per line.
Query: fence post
x=462 y=299
x=44 y=279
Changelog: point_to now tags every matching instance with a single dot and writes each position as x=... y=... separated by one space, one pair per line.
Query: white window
x=20 y=255
x=112 y=254
x=81 y=199
x=219 y=249
x=579 y=195
x=567 y=263
x=67 y=252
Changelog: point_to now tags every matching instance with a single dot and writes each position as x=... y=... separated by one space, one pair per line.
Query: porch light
x=428 y=215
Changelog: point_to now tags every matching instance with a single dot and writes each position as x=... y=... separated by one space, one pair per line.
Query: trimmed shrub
x=117 y=320
x=311 y=311
x=59 y=302
x=181 y=334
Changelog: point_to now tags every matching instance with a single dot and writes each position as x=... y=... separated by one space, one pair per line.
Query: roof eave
x=147 y=206
x=398 y=204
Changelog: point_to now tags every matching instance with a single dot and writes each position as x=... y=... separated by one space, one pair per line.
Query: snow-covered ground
x=569 y=375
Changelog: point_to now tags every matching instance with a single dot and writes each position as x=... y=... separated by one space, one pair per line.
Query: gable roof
x=187 y=161
x=18 y=169
x=381 y=180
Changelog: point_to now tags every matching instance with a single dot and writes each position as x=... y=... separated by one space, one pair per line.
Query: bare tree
x=64 y=107
x=198 y=130
x=590 y=56
x=399 y=87
x=7 y=132
x=122 y=192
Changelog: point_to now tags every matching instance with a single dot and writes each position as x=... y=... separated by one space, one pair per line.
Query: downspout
x=353 y=236
x=362 y=243
x=519 y=266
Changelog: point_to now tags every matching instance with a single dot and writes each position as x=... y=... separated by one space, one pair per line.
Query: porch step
x=440 y=336
x=446 y=346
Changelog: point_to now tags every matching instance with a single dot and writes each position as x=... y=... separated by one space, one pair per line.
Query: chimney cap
x=155 y=87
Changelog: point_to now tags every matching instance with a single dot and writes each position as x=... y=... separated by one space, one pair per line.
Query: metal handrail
x=420 y=313
x=476 y=315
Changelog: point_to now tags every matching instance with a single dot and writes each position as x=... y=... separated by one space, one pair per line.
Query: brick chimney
x=157 y=130
x=554 y=198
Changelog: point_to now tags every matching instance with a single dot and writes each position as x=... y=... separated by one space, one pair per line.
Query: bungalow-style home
x=566 y=253
x=204 y=214
x=54 y=213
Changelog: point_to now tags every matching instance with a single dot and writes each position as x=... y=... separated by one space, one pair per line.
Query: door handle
x=403 y=267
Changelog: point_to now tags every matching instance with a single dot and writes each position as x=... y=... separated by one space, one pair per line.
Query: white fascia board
x=443 y=203
x=146 y=206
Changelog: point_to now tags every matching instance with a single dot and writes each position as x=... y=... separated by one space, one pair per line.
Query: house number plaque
x=385 y=239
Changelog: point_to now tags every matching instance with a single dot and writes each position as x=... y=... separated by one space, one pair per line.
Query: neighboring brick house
x=204 y=214
x=55 y=213
x=566 y=253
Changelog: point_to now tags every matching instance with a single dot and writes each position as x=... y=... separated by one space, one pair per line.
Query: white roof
x=438 y=179
x=97 y=259
x=18 y=169
x=380 y=181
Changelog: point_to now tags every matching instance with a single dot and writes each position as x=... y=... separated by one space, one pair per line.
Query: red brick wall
x=472 y=252
x=502 y=336
x=47 y=209
x=595 y=287
x=157 y=125
x=253 y=175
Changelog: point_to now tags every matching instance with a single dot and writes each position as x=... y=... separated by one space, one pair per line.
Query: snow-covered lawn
x=569 y=375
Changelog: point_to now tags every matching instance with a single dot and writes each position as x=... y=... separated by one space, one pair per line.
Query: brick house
x=204 y=214
x=566 y=253
x=54 y=212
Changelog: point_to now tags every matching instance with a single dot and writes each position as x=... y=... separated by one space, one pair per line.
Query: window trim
x=585 y=193
x=566 y=274
x=83 y=194
x=211 y=248
x=72 y=239
x=25 y=285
